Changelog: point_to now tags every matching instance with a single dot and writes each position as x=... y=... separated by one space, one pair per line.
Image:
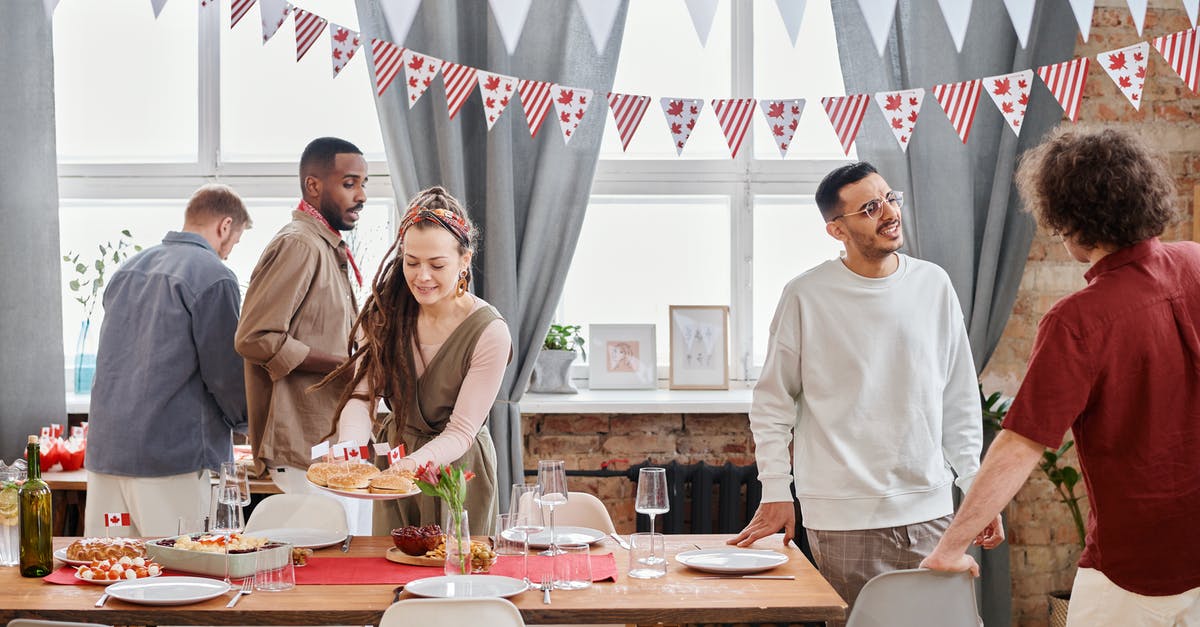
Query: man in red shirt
x=1119 y=364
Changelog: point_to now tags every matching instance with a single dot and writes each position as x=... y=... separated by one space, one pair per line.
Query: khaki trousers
x=1096 y=600
x=154 y=504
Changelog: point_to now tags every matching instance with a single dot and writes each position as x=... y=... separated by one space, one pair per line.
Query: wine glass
x=236 y=475
x=652 y=500
x=227 y=519
x=552 y=480
x=526 y=515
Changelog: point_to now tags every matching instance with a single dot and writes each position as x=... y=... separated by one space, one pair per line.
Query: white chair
x=33 y=622
x=452 y=613
x=581 y=510
x=917 y=598
x=298 y=511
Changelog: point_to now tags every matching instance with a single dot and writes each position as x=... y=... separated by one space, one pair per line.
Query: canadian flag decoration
x=497 y=91
x=116 y=519
x=460 y=81
x=1127 y=67
x=274 y=13
x=1065 y=81
x=735 y=116
x=1182 y=52
x=388 y=59
x=395 y=454
x=45 y=433
x=419 y=72
x=783 y=117
x=237 y=10
x=900 y=109
x=627 y=111
x=309 y=26
x=535 y=98
x=846 y=114
x=1010 y=92
x=959 y=101
x=681 y=118
x=570 y=103
x=358 y=452
x=345 y=43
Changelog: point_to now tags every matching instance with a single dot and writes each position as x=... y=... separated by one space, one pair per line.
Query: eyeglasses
x=874 y=207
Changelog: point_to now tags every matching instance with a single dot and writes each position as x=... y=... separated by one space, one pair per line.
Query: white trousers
x=154 y=504
x=1096 y=600
x=358 y=511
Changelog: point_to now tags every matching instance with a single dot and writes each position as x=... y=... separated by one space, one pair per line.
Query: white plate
x=167 y=590
x=466 y=586
x=302 y=537
x=106 y=582
x=363 y=494
x=562 y=535
x=732 y=560
x=61 y=555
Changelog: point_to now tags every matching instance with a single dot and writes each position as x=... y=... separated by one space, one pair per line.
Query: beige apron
x=428 y=415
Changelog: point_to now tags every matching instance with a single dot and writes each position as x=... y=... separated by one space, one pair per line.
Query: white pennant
x=158 y=6
x=1127 y=68
x=956 y=13
x=702 y=12
x=1010 y=92
x=50 y=6
x=599 y=15
x=570 y=103
x=273 y=13
x=419 y=72
x=1021 y=14
x=1191 y=6
x=399 y=16
x=900 y=109
x=497 y=91
x=783 y=117
x=1137 y=8
x=792 y=12
x=1083 y=15
x=879 y=14
x=510 y=18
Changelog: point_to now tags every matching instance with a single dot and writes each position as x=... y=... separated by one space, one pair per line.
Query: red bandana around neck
x=304 y=207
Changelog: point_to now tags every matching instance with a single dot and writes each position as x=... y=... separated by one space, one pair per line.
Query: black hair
x=319 y=154
x=831 y=186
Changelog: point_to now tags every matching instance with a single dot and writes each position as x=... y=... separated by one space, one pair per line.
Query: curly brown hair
x=384 y=332
x=1104 y=188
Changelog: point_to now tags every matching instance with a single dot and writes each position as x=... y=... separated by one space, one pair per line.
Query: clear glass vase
x=457 y=529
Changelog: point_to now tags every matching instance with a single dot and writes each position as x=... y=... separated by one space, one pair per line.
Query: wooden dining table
x=682 y=596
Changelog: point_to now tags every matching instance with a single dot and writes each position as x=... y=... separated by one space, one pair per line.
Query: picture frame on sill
x=699 y=347
x=622 y=357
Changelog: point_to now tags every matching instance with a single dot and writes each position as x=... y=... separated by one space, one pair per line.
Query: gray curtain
x=32 y=385
x=527 y=195
x=961 y=209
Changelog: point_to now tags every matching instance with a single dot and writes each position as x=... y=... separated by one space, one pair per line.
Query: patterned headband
x=446 y=219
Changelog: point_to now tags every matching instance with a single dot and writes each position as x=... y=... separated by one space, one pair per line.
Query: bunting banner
x=273 y=13
x=237 y=10
x=570 y=103
x=535 y=99
x=783 y=117
x=497 y=90
x=957 y=14
x=735 y=116
x=1010 y=92
x=344 y=43
x=682 y=114
x=846 y=114
x=900 y=109
x=1127 y=67
x=510 y=19
x=959 y=101
x=599 y=15
x=1137 y=9
x=388 y=58
x=460 y=82
x=399 y=15
x=1065 y=80
x=1083 y=15
x=1182 y=52
x=702 y=13
x=419 y=72
x=1020 y=13
x=1191 y=7
x=627 y=111
x=879 y=15
x=792 y=14
x=157 y=5
x=309 y=26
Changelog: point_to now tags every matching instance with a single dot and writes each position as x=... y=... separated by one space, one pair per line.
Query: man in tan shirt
x=298 y=312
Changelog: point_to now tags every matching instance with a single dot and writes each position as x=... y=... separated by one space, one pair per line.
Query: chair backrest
x=916 y=598
x=580 y=510
x=298 y=511
x=33 y=622
x=452 y=613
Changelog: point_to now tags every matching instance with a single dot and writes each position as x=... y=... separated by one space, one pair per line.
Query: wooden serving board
x=400 y=557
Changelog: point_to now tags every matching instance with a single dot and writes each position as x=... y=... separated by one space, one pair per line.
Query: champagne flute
x=237 y=475
x=526 y=515
x=552 y=479
x=228 y=519
x=652 y=500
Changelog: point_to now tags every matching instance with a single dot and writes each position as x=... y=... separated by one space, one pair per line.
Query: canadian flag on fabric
x=309 y=26
x=627 y=111
x=1065 y=81
x=460 y=82
x=419 y=72
x=900 y=109
x=497 y=91
x=116 y=519
x=1182 y=52
x=960 y=101
x=388 y=59
x=570 y=103
x=1010 y=92
x=395 y=454
x=535 y=98
x=846 y=114
x=735 y=116
x=344 y=43
x=1127 y=68
x=682 y=114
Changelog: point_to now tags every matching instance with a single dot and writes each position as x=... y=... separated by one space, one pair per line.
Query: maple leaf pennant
x=900 y=109
x=497 y=92
x=570 y=103
x=783 y=118
x=681 y=114
x=344 y=43
x=1127 y=68
x=273 y=13
x=1010 y=92
x=419 y=72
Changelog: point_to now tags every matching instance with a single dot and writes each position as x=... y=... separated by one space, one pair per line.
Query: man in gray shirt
x=169 y=388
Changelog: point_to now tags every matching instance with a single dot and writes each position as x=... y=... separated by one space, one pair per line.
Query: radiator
x=691 y=489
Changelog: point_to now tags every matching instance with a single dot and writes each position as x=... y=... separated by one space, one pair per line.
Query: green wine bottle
x=37 y=557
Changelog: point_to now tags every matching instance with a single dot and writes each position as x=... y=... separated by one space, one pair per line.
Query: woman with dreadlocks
x=436 y=354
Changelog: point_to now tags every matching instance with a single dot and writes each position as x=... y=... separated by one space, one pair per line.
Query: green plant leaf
x=126 y=233
x=74 y=285
x=1070 y=477
x=98 y=283
x=100 y=266
x=80 y=268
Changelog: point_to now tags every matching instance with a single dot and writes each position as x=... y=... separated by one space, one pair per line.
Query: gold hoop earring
x=462 y=284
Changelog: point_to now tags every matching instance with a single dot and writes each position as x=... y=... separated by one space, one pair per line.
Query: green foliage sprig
x=88 y=283
x=564 y=337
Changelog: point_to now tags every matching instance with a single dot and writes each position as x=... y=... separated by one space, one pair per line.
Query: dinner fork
x=247 y=588
x=547 y=584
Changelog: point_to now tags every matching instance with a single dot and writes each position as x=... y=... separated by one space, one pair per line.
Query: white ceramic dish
x=201 y=563
x=363 y=494
x=61 y=555
x=732 y=560
x=106 y=582
x=562 y=535
x=167 y=590
x=301 y=537
x=467 y=586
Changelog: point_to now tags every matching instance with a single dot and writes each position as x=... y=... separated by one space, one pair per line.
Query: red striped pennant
x=782 y=116
x=345 y=43
x=535 y=98
x=419 y=72
x=627 y=111
x=238 y=10
x=1182 y=52
x=846 y=114
x=388 y=59
x=735 y=116
x=1065 y=81
x=460 y=82
x=959 y=101
x=309 y=26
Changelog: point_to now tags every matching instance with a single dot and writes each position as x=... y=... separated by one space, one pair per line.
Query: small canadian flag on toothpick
x=116 y=519
x=395 y=454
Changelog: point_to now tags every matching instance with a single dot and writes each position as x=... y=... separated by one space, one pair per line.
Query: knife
x=789 y=577
x=346 y=544
x=620 y=541
x=101 y=600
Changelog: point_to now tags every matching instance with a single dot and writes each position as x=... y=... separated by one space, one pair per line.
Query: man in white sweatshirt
x=869 y=366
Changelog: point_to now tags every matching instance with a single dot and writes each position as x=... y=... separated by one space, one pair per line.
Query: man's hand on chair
x=951 y=563
x=769 y=519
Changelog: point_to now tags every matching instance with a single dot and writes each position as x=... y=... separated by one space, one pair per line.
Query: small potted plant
x=552 y=369
x=88 y=287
